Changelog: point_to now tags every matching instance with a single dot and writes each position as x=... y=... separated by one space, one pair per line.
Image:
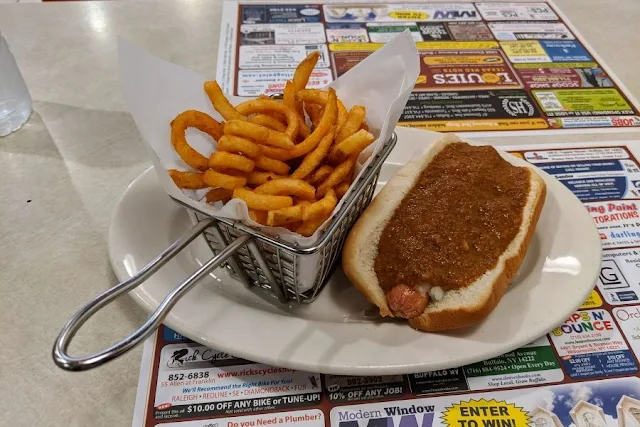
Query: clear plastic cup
x=15 y=101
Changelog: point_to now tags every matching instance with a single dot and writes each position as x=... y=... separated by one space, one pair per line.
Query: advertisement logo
x=190 y=357
x=177 y=358
x=611 y=277
x=390 y=416
x=516 y=107
x=585 y=322
x=452 y=15
x=537 y=156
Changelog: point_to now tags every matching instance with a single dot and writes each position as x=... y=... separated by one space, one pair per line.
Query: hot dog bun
x=460 y=307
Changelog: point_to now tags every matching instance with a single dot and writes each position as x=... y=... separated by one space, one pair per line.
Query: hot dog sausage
x=406 y=302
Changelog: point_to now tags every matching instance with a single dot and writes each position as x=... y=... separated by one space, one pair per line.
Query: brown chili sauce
x=462 y=213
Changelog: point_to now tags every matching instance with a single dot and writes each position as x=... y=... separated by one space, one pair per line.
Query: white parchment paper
x=156 y=91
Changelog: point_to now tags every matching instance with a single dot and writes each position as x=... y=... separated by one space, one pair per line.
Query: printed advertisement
x=347 y=33
x=281 y=14
x=525 y=51
x=450 y=111
x=447 y=398
x=469 y=31
x=398 y=12
x=431 y=31
x=383 y=33
x=195 y=380
x=591 y=346
x=310 y=418
x=607 y=173
x=344 y=61
x=279 y=56
x=189 y=380
x=455 y=70
x=477 y=50
x=498 y=11
x=530 y=30
x=254 y=83
x=438 y=382
x=619 y=279
x=576 y=102
x=563 y=78
x=618 y=223
x=565 y=51
x=594 y=300
x=353 y=389
x=602 y=403
x=606 y=178
x=530 y=365
x=260 y=34
x=629 y=320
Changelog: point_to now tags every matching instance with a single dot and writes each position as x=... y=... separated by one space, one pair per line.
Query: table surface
x=63 y=172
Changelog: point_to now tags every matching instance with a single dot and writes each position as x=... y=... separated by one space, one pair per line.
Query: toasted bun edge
x=361 y=247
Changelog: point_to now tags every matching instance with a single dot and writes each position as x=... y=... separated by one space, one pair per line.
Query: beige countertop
x=78 y=153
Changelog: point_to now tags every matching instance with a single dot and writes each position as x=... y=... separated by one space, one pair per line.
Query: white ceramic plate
x=337 y=333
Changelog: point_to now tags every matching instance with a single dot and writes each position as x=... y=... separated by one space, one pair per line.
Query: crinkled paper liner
x=156 y=91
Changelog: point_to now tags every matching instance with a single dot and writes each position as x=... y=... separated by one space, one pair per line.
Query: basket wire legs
x=232 y=261
x=266 y=271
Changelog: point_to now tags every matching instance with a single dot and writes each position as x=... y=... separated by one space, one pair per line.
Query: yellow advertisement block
x=556 y=65
x=350 y=47
x=408 y=15
x=571 y=100
x=370 y=47
x=455 y=45
x=525 y=51
x=463 y=60
x=487 y=413
x=477 y=125
x=593 y=301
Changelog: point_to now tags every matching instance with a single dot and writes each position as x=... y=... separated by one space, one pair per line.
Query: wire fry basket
x=257 y=259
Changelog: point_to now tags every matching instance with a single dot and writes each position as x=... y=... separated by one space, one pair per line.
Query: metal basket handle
x=64 y=361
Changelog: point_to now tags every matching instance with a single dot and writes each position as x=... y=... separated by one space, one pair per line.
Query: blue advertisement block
x=591 y=188
x=565 y=51
x=581 y=167
x=345 y=26
x=626 y=296
x=172 y=336
x=600 y=365
x=594 y=189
